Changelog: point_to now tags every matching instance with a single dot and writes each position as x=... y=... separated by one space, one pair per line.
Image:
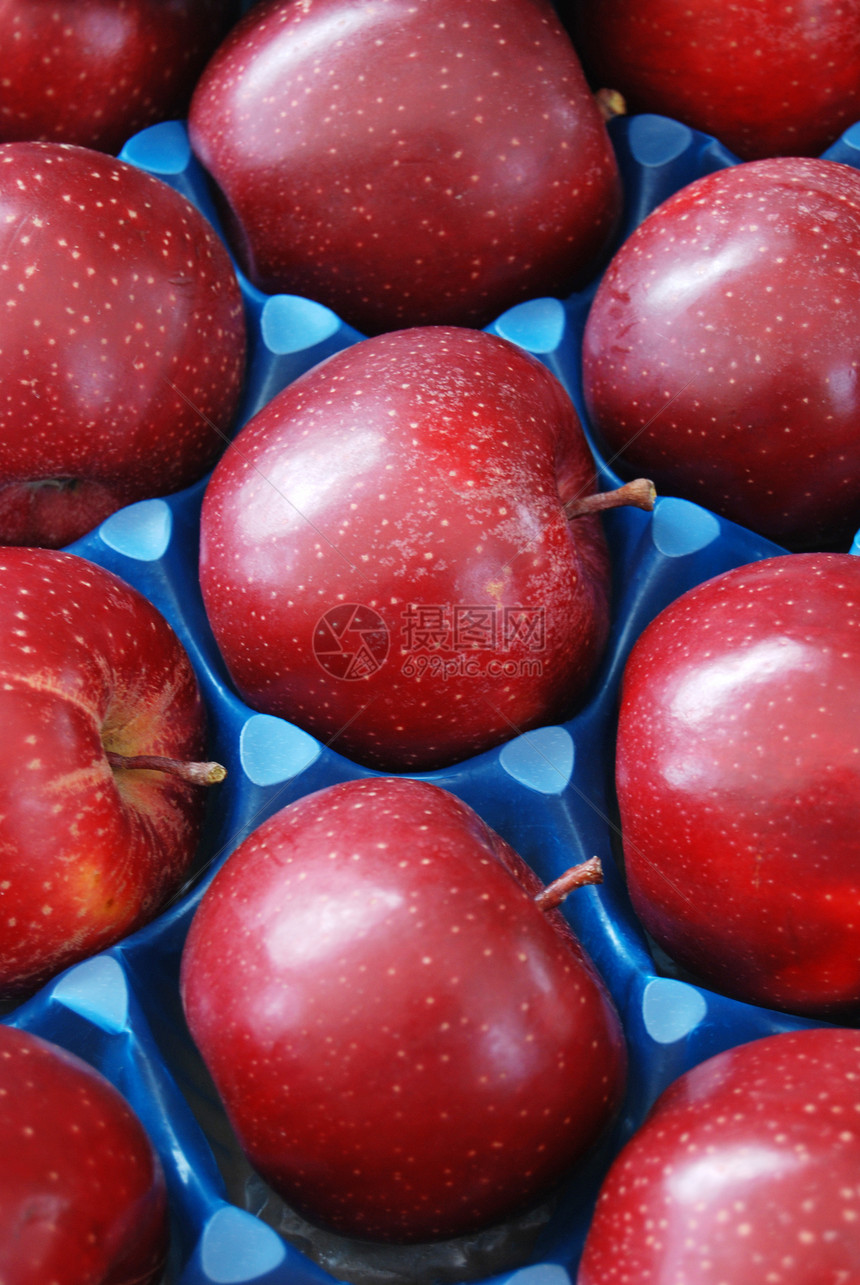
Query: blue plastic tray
x=549 y=792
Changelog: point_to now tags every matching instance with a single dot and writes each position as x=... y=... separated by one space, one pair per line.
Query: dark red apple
x=123 y=339
x=408 y=1046
x=94 y=72
x=738 y=773
x=745 y=1172
x=93 y=839
x=407 y=164
x=720 y=352
x=766 y=78
x=386 y=558
x=82 y=1192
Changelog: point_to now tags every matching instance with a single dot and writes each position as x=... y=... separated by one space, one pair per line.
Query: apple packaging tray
x=549 y=793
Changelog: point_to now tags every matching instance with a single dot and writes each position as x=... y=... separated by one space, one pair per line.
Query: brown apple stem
x=580 y=876
x=196 y=773
x=611 y=103
x=639 y=494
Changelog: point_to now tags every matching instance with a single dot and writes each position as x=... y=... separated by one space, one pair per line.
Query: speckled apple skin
x=738 y=776
x=82 y=1192
x=766 y=78
x=407 y=164
x=425 y=467
x=720 y=352
x=94 y=72
x=89 y=853
x=745 y=1172
x=407 y=1046
x=123 y=338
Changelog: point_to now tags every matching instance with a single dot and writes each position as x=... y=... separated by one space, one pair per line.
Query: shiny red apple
x=82 y=1192
x=386 y=557
x=408 y=1045
x=720 y=352
x=407 y=164
x=738 y=775
x=123 y=338
x=94 y=72
x=94 y=838
x=766 y=78
x=744 y=1172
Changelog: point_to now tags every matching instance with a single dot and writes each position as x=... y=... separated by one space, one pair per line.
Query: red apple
x=738 y=773
x=766 y=78
x=407 y=164
x=123 y=340
x=385 y=555
x=744 y=1172
x=94 y=72
x=82 y=1192
x=720 y=352
x=93 y=839
x=408 y=1046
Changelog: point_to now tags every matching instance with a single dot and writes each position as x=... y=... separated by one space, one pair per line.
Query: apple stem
x=196 y=773
x=610 y=103
x=640 y=494
x=580 y=876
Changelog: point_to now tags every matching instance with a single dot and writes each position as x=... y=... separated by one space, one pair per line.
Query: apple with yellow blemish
x=103 y=755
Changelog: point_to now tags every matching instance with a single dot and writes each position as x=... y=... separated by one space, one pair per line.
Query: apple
x=101 y=763
x=764 y=77
x=386 y=558
x=82 y=1192
x=123 y=340
x=745 y=1171
x=720 y=351
x=407 y=164
x=738 y=778
x=408 y=1045
x=94 y=72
